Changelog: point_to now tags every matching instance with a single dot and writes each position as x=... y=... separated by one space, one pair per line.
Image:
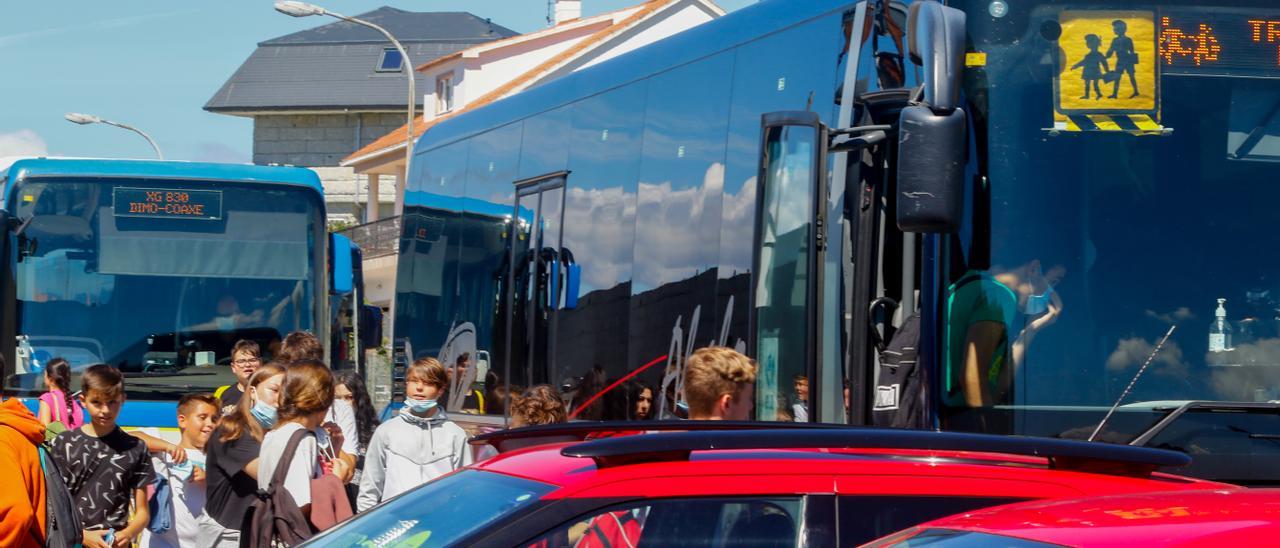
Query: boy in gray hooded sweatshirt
x=417 y=446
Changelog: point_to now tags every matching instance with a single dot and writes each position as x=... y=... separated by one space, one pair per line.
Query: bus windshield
x=1132 y=161
x=159 y=278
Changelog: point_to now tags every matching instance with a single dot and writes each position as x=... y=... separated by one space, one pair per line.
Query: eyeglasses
x=249 y=361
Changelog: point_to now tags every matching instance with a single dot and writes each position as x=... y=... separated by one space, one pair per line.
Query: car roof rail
x=1082 y=456
x=516 y=438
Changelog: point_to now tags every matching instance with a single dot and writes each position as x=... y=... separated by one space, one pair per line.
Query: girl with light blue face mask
x=266 y=396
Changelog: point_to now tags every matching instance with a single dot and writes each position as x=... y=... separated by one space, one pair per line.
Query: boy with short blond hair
x=719 y=384
x=417 y=446
x=198 y=415
x=105 y=469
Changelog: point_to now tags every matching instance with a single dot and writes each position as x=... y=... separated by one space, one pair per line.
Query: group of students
x=289 y=426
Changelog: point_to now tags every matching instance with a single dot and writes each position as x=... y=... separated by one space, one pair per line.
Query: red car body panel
x=819 y=471
x=1233 y=517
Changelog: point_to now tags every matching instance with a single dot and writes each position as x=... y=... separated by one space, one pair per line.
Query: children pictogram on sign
x=1126 y=58
x=1094 y=65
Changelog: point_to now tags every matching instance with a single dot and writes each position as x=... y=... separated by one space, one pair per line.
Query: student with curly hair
x=540 y=404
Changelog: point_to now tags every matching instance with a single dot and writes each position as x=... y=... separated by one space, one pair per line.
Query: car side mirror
x=932 y=139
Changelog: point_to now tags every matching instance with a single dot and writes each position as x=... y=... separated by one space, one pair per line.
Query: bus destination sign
x=1220 y=42
x=203 y=205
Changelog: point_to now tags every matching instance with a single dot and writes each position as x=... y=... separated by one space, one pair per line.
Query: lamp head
x=298 y=9
x=82 y=119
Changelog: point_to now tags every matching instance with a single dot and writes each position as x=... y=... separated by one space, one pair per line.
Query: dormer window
x=444 y=93
x=390 y=61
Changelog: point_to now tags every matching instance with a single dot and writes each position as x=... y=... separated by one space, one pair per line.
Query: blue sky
x=154 y=64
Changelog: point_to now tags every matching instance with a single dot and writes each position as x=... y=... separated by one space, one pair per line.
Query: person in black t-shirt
x=105 y=468
x=232 y=459
x=246 y=356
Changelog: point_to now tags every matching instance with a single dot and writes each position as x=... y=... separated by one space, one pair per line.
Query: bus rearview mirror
x=931 y=154
x=341 y=272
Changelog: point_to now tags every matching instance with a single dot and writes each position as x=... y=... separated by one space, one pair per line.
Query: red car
x=756 y=486
x=1204 y=518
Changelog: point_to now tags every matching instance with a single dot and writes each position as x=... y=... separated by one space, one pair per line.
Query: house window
x=444 y=93
x=391 y=60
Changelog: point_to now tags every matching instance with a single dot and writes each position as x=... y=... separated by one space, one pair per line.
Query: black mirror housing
x=931 y=155
x=935 y=41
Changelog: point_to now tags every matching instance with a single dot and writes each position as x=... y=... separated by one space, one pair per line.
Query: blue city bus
x=800 y=178
x=158 y=268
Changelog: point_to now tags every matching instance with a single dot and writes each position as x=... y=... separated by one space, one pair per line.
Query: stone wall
x=320 y=142
x=317 y=140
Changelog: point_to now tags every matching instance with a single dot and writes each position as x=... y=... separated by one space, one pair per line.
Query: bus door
x=790 y=240
x=536 y=274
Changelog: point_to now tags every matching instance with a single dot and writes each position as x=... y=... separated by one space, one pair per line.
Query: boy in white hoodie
x=417 y=446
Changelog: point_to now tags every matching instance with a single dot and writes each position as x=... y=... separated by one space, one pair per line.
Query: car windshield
x=159 y=278
x=1132 y=156
x=440 y=513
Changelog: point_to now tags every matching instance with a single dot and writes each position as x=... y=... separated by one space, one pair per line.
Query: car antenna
x=1132 y=382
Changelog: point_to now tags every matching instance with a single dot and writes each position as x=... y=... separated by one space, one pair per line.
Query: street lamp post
x=86 y=119
x=303 y=9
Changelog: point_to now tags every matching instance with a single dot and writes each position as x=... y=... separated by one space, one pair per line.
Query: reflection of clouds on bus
x=1181 y=314
x=1257 y=367
x=1132 y=352
x=599 y=220
x=735 y=245
x=670 y=215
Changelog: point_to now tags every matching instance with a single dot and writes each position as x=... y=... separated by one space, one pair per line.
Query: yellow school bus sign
x=1108 y=72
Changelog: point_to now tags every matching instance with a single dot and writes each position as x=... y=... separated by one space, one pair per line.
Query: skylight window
x=391 y=60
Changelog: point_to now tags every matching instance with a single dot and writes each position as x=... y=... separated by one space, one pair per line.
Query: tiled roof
x=333 y=67
x=406 y=26
x=394 y=140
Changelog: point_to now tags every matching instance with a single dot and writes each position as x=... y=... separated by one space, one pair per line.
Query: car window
x=703 y=522
x=867 y=517
x=440 y=513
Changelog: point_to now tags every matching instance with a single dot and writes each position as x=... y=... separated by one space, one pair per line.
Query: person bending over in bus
x=980 y=313
x=984 y=344
x=246 y=356
x=417 y=446
x=197 y=417
x=228 y=317
x=719 y=384
x=106 y=469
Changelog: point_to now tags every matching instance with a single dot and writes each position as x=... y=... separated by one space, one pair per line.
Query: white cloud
x=19 y=144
